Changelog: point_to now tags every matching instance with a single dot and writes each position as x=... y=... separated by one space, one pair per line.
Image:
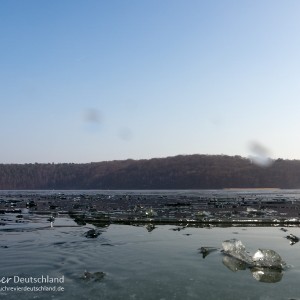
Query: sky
x=93 y=80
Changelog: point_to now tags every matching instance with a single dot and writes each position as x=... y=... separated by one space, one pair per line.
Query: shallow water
x=161 y=264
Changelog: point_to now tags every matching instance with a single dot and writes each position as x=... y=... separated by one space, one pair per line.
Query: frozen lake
x=129 y=262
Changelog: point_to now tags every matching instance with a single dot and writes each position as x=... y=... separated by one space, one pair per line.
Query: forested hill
x=179 y=172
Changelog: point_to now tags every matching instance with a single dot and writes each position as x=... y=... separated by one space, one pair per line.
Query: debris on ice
x=293 y=239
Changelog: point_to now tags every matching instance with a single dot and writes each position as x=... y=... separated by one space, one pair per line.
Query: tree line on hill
x=178 y=172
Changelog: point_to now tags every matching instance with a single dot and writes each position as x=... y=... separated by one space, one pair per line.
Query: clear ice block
x=268 y=258
x=236 y=249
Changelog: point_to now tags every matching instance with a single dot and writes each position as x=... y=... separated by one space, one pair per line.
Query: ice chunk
x=97 y=276
x=207 y=250
x=268 y=258
x=235 y=248
x=233 y=245
x=150 y=227
x=266 y=265
x=293 y=239
x=92 y=233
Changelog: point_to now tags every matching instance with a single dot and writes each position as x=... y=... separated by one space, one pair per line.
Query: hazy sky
x=94 y=80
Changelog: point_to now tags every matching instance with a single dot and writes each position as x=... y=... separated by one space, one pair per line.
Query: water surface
x=162 y=264
x=141 y=262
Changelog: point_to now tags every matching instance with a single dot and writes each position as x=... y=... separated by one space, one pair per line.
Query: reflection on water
x=234 y=264
x=267 y=274
x=141 y=262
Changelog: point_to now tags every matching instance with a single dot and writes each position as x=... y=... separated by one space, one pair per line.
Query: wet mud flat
x=160 y=207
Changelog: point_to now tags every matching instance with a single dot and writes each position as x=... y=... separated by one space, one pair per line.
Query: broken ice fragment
x=207 y=250
x=177 y=228
x=293 y=239
x=266 y=265
x=268 y=258
x=235 y=248
x=92 y=233
x=97 y=276
x=150 y=227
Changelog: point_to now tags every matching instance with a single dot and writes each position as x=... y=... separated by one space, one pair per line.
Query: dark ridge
x=178 y=172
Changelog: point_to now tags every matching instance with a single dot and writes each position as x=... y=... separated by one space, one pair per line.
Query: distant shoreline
x=182 y=172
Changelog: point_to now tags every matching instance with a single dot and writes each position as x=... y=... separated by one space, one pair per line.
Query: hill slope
x=178 y=172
